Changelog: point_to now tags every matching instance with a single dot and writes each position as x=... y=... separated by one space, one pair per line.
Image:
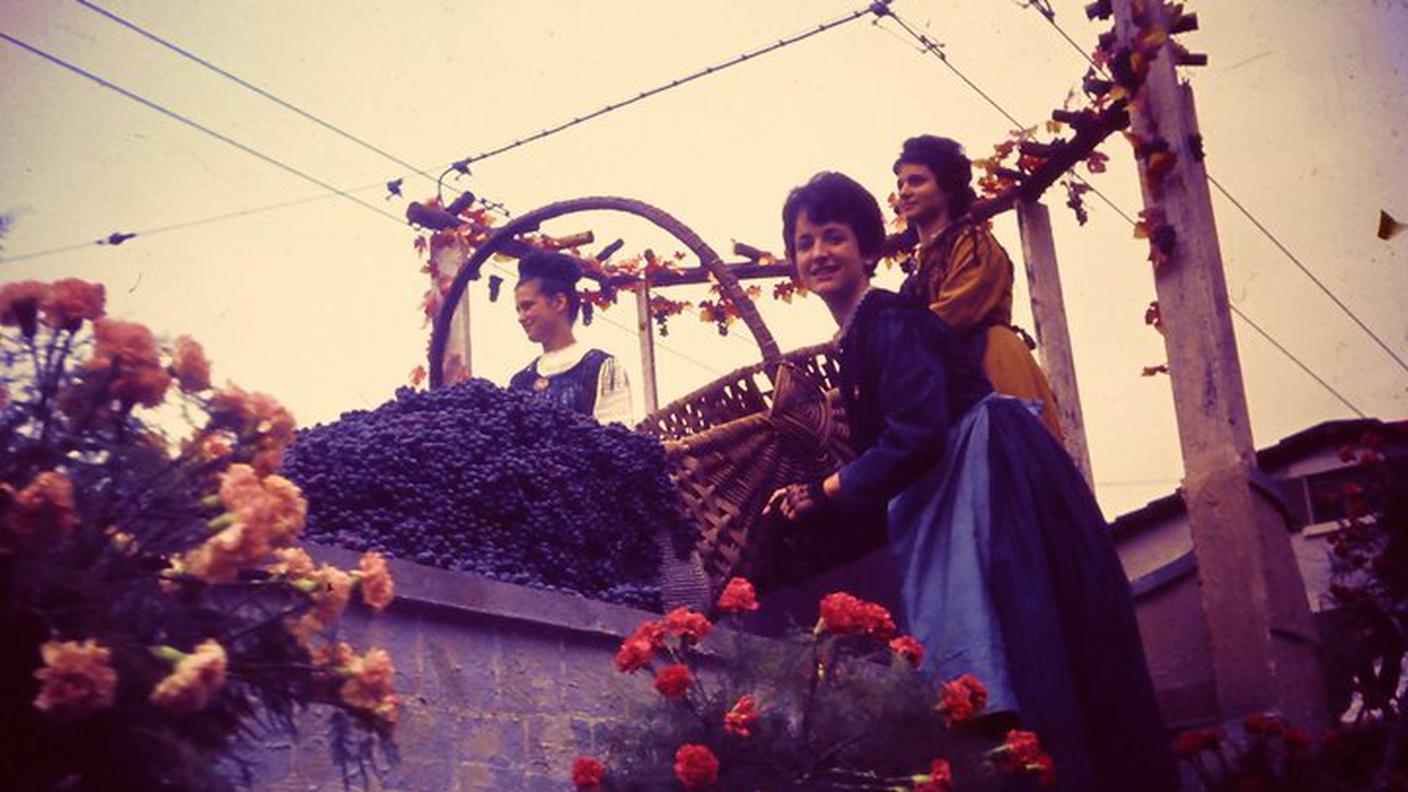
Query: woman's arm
x=911 y=394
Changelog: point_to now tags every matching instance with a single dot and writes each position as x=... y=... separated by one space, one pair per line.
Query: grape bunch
x=475 y=478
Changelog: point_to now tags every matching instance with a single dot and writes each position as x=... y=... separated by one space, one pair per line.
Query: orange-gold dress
x=966 y=278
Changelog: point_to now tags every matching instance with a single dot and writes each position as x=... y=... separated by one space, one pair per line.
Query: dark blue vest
x=574 y=388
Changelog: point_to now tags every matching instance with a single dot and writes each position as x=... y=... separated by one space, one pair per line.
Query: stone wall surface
x=503 y=685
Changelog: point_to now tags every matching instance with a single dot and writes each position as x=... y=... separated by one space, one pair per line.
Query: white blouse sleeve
x=613 y=394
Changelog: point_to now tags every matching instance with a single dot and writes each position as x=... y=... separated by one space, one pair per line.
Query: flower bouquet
x=157 y=609
x=841 y=707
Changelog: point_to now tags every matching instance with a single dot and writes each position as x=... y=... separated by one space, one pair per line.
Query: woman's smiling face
x=920 y=197
x=829 y=260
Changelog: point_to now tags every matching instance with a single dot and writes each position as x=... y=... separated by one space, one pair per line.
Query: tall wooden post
x=1052 y=334
x=646 y=331
x=1264 y=650
x=449 y=259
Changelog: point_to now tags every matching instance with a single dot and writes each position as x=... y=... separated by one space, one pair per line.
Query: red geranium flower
x=908 y=647
x=587 y=772
x=739 y=595
x=696 y=766
x=741 y=718
x=687 y=624
x=962 y=699
x=673 y=681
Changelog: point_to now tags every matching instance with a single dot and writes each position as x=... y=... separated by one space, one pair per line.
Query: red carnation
x=845 y=614
x=687 y=624
x=1267 y=725
x=1191 y=743
x=908 y=647
x=962 y=699
x=673 y=681
x=938 y=779
x=652 y=632
x=739 y=595
x=1021 y=754
x=696 y=766
x=587 y=772
x=634 y=654
x=741 y=718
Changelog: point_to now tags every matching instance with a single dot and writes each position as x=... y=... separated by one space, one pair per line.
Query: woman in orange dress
x=961 y=272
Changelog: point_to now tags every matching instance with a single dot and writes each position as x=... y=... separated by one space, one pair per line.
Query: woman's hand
x=795 y=501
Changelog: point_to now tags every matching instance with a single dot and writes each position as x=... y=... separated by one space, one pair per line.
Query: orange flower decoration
x=377 y=587
x=255 y=418
x=41 y=512
x=19 y=305
x=196 y=677
x=70 y=301
x=261 y=514
x=369 y=687
x=292 y=562
x=127 y=353
x=739 y=595
x=76 y=679
x=189 y=364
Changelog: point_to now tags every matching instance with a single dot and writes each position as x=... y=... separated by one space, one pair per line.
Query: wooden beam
x=1263 y=641
x=645 y=330
x=1052 y=333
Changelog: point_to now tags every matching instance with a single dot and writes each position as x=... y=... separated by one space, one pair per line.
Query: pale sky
x=1303 y=108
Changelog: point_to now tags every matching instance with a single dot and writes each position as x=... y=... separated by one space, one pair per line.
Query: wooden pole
x=1052 y=334
x=1264 y=651
x=462 y=331
x=645 y=330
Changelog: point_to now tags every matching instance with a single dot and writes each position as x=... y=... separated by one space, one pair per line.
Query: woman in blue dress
x=1005 y=567
x=589 y=381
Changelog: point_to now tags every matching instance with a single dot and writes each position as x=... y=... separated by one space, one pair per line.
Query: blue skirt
x=1007 y=572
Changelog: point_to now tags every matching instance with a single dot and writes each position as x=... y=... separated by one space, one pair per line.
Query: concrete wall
x=503 y=685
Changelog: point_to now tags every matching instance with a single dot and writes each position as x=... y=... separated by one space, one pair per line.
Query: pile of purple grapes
x=475 y=478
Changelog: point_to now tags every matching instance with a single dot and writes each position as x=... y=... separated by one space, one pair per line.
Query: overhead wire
x=257 y=154
x=933 y=49
x=873 y=8
x=328 y=125
x=175 y=116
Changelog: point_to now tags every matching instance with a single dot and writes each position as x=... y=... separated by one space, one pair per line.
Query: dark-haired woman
x=589 y=381
x=960 y=271
x=1004 y=564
